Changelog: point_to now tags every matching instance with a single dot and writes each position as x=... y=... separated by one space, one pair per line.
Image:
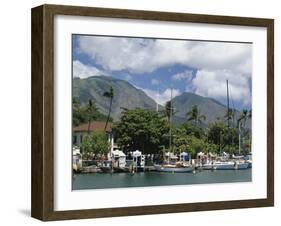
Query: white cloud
x=128 y=77
x=83 y=71
x=186 y=75
x=161 y=97
x=139 y=55
x=155 y=82
x=215 y=61
x=212 y=83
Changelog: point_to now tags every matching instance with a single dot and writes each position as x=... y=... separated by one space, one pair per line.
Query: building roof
x=95 y=126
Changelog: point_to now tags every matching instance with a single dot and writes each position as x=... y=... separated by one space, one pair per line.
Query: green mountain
x=128 y=96
x=125 y=94
x=212 y=109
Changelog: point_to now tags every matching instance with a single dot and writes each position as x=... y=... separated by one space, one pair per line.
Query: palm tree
x=245 y=114
x=109 y=94
x=229 y=114
x=75 y=103
x=91 y=108
x=194 y=115
x=169 y=111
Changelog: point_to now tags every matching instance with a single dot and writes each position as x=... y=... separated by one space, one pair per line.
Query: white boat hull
x=207 y=167
x=249 y=164
x=224 y=166
x=173 y=169
x=242 y=165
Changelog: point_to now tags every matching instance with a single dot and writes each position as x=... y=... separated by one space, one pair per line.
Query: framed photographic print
x=141 y=112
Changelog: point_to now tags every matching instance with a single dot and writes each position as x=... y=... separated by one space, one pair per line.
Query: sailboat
x=223 y=163
x=241 y=162
x=178 y=167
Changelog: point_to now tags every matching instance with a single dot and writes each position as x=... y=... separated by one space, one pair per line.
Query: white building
x=80 y=131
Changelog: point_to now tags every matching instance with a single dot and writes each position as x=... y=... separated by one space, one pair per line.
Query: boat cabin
x=138 y=159
x=118 y=158
x=184 y=157
x=76 y=159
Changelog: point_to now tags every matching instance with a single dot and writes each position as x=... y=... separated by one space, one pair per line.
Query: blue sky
x=157 y=65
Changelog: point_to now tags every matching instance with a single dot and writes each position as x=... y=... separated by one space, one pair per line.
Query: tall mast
x=239 y=134
x=227 y=93
x=228 y=123
x=171 y=113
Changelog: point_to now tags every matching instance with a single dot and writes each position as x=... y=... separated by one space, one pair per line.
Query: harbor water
x=123 y=180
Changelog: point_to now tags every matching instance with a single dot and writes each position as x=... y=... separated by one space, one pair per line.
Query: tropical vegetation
x=94 y=145
x=152 y=132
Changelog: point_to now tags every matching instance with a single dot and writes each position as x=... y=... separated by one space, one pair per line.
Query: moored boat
x=207 y=166
x=224 y=165
x=249 y=160
x=242 y=165
x=121 y=169
x=138 y=161
x=105 y=169
x=173 y=168
x=249 y=163
x=241 y=162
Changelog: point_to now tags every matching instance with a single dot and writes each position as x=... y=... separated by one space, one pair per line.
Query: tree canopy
x=141 y=129
x=82 y=113
x=94 y=144
x=195 y=115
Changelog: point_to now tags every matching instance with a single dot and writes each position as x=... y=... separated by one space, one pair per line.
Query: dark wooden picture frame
x=43 y=107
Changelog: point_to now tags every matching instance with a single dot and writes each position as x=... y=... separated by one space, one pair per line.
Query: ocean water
x=123 y=180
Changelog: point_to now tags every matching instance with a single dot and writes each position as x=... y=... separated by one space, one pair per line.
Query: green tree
x=225 y=139
x=210 y=147
x=216 y=134
x=141 y=129
x=82 y=113
x=193 y=130
x=94 y=144
x=195 y=146
x=184 y=142
x=180 y=140
x=247 y=146
x=195 y=115
x=91 y=108
x=77 y=112
x=229 y=114
x=169 y=111
x=189 y=144
x=233 y=141
x=245 y=134
x=244 y=115
x=109 y=94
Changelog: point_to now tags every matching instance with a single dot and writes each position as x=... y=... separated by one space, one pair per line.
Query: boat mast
x=228 y=123
x=239 y=127
x=170 y=122
x=227 y=93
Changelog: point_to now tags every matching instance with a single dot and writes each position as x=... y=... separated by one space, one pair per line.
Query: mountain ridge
x=128 y=96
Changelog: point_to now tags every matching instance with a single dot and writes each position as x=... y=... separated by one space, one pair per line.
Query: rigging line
x=233 y=114
x=233 y=106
